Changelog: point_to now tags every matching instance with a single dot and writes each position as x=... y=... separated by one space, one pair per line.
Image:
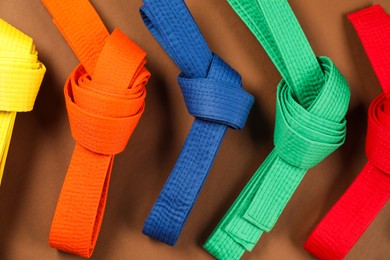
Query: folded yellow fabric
x=21 y=75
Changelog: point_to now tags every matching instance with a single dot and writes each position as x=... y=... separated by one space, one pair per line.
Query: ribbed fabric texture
x=105 y=98
x=352 y=214
x=21 y=75
x=312 y=101
x=214 y=96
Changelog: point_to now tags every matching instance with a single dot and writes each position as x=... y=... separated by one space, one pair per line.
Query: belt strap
x=21 y=75
x=312 y=100
x=357 y=208
x=213 y=95
x=105 y=99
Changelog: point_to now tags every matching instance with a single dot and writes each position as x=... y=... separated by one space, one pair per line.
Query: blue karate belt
x=213 y=94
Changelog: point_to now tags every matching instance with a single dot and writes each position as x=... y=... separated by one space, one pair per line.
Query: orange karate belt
x=105 y=98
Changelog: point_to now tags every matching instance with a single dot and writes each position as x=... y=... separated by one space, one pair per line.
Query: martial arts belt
x=213 y=95
x=105 y=99
x=312 y=100
x=357 y=208
x=21 y=75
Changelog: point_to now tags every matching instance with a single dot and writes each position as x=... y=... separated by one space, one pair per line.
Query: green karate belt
x=312 y=100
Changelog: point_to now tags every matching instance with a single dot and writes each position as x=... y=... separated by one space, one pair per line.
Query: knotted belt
x=312 y=100
x=213 y=95
x=21 y=75
x=105 y=99
x=356 y=209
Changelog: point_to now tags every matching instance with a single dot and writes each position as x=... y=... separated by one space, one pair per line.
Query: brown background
x=42 y=145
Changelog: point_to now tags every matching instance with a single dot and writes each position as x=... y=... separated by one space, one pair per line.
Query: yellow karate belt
x=21 y=75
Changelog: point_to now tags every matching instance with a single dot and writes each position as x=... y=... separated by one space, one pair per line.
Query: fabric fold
x=311 y=103
x=213 y=94
x=105 y=99
x=21 y=75
x=352 y=214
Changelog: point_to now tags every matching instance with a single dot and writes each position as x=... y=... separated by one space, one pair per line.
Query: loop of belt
x=213 y=95
x=105 y=98
x=312 y=101
x=21 y=75
x=344 y=224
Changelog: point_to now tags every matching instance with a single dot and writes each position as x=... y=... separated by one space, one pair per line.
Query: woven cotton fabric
x=312 y=100
x=105 y=99
x=213 y=94
x=21 y=75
